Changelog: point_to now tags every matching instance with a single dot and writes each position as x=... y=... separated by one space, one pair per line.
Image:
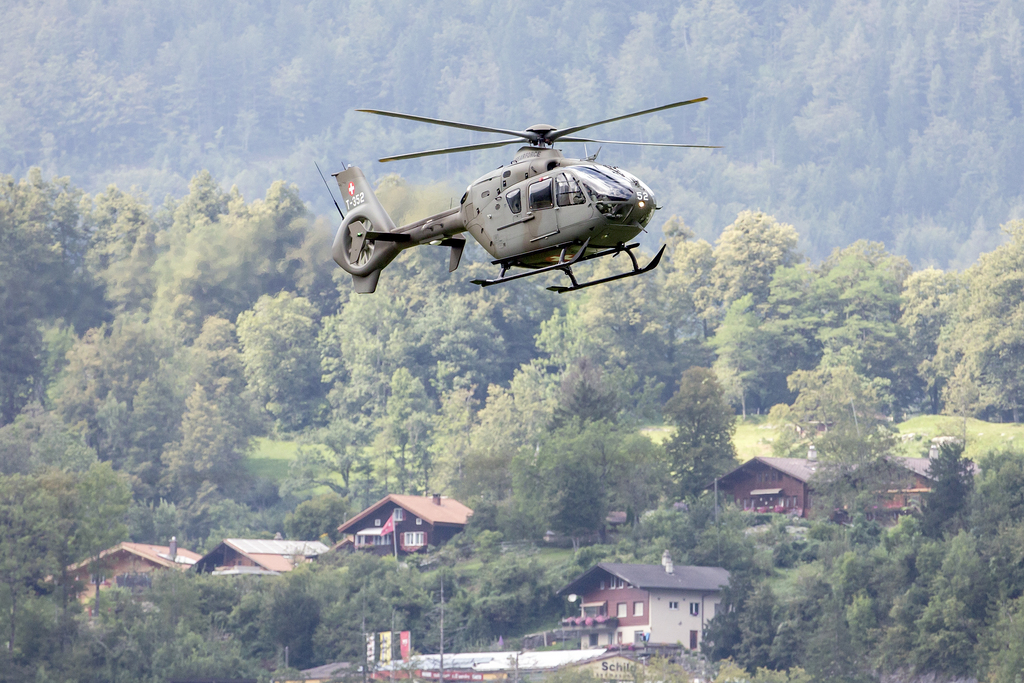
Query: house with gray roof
x=783 y=485
x=770 y=485
x=641 y=603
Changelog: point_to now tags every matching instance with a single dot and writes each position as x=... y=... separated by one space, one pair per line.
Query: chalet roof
x=919 y=466
x=450 y=511
x=158 y=555
x=273 y=555
x=800 y=469
x=648 y=576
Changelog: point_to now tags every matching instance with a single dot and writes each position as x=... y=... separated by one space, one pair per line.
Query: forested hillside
x=852 y=257
x=897 y=122
x=146 y=347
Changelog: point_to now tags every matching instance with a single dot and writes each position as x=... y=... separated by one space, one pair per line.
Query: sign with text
x=385 y=647
x=405 y=644
x=615 y=668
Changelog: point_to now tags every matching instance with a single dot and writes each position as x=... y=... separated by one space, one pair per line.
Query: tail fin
x=366 y=241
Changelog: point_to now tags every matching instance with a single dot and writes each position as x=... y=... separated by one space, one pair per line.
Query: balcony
x=778 y=509
x=584 y=625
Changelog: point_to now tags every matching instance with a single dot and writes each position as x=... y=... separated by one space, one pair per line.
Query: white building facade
x=634 y=603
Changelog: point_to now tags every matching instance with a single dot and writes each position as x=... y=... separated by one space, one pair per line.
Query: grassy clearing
x=270 y=458
x=982 y=437
x=754 y=435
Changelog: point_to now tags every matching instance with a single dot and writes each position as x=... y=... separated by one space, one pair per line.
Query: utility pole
x=366 y=649
x=442 y=627
x=718 y=527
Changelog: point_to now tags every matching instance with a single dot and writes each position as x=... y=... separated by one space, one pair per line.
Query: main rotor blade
x=452 y=150
x=639 y=144
x=575 y=129
x=450 y=124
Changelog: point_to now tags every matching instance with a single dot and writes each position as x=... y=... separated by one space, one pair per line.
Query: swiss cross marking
x=351 y=189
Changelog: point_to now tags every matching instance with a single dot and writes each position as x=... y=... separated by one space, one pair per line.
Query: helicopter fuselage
x=525 y=212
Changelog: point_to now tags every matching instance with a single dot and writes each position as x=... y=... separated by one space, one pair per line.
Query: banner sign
x=405 y=644
x=371 y=647
x=451 y=675
x=385 y=647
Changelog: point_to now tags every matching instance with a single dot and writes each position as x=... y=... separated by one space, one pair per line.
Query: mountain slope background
x=897 y=122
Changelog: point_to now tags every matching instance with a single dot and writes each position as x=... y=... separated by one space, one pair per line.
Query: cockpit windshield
x=636 y=181
x=601 y=184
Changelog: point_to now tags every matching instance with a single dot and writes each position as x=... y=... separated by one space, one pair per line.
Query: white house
x=633 y=603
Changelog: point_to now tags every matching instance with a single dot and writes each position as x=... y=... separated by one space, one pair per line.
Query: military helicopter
x=542 y=212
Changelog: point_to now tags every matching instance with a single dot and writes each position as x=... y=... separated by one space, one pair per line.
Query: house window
x=376 y=522
x=399 y=514
x=602 y=584
x=638 y=608
x=618 y=637
x=673 y=604
x=639 y=637
x=419 y=522
x=694 y=609
x=620 y=610
x=413 y=539
x=593 y=640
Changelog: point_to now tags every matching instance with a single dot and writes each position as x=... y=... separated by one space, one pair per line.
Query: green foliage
x=946 y=504
x=317 y=517
x=701 y=448
x=282 y=362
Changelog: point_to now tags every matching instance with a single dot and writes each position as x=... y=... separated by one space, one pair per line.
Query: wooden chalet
x=234 y=556
x=782 y=485
x=130 y=565
x=770 y=485
x=419 y=521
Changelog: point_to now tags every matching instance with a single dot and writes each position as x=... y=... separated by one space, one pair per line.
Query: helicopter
x=542 y=212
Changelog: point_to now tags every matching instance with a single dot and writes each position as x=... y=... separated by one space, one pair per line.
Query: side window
x=540 y=195
x=515 y=200
x=568 y=192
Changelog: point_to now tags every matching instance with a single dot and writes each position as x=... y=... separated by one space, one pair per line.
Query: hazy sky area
x=898 y=121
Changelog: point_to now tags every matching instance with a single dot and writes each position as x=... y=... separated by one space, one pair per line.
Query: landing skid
x=637 y=270
x=561 y=265
x=565 y=266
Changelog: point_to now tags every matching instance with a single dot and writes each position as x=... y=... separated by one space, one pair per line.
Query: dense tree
x=279 y=351
x=701 y=447
x=987 y=335
x=946 y=504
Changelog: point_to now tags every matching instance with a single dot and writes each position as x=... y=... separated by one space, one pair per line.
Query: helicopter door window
x=540 y=195
x=515 y=200
x=568 y=192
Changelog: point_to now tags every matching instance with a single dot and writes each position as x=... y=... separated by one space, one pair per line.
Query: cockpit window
x=567 y=191
x=602 y=185
x=515 y=200
x=540 y=195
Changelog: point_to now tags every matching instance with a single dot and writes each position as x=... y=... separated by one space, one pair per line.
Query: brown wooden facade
x=420 y=521
x=770 y=485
